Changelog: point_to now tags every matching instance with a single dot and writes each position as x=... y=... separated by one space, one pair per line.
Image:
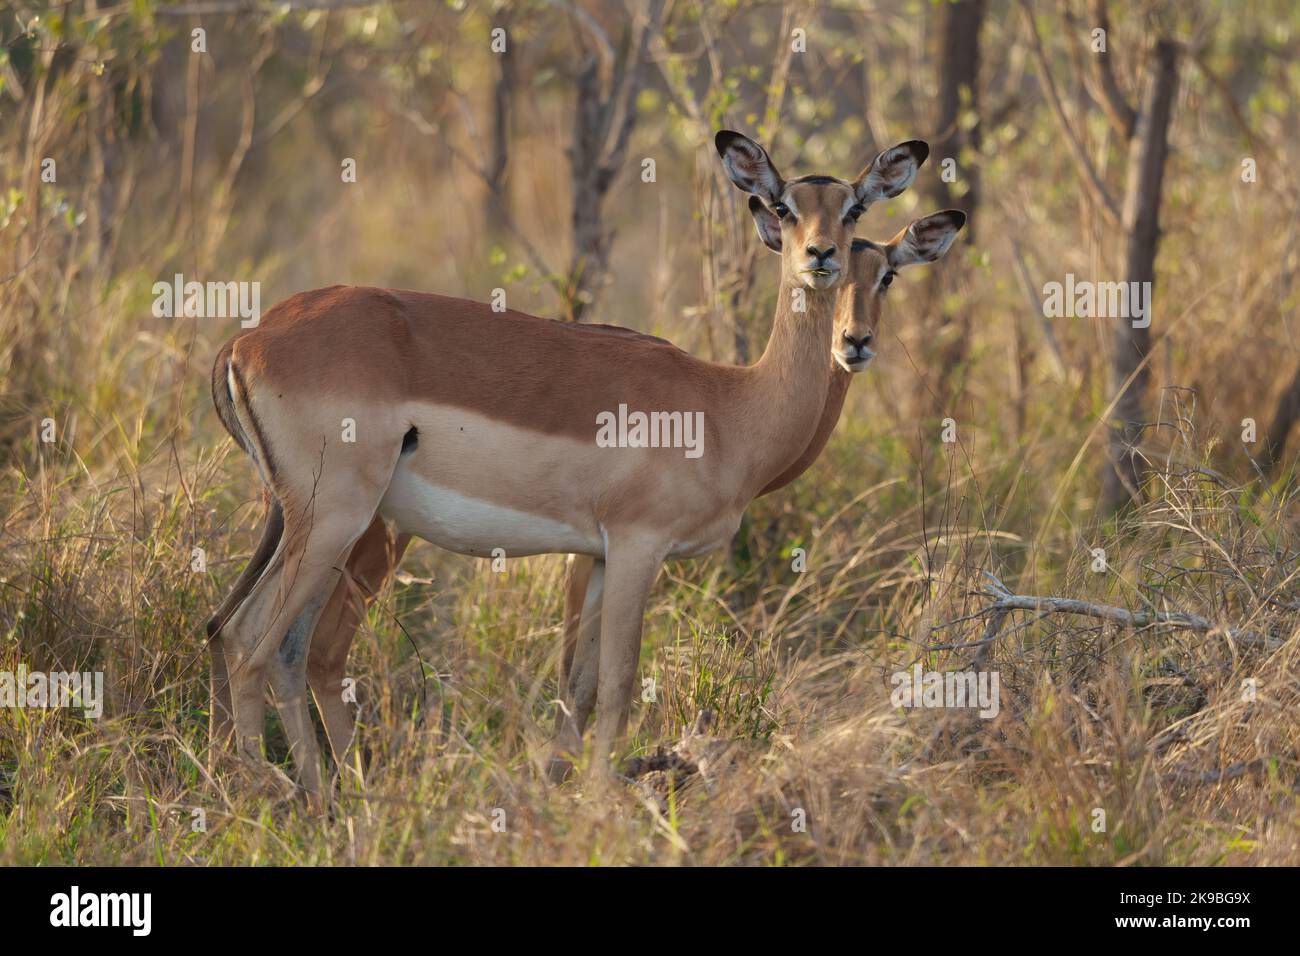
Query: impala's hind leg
x=328 y=503
x=289 y=682
x=221 y=721
x=284 y=603
x=329 y=476
x=373 y=559
x=577 y=575
x=581 y=663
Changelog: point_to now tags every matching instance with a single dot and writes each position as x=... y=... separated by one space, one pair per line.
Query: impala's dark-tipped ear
x=926 y=239
x=748 y=165
x=769 y=227
x=891 y=172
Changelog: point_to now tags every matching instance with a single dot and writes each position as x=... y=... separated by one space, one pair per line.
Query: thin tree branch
x=594 y=29
x=623 y=98
x=1184 y=775
x=1107 y=92
x=1036 y=309
x=1087 y=172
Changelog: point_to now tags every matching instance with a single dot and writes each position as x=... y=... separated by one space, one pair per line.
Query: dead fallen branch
x=1004 y=602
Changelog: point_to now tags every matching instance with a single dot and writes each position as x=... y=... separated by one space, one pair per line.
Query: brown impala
x=478 y=449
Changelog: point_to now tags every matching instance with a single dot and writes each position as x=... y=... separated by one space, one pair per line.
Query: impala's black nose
x=861 y=343
x=822 y=254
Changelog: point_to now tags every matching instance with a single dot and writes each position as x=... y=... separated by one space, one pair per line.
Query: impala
x=871 y=268
x=478 y=447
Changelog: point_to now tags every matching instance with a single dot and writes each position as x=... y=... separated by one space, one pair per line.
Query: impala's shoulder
x=620 y=331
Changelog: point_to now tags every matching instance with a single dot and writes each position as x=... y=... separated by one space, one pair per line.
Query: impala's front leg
x=631 y=564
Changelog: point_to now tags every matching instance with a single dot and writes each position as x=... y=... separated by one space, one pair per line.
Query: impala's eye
x=781 y=210
x=854 y=212
x=886 y=280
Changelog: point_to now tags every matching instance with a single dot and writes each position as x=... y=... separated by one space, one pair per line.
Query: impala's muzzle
x=854 y=354
x=821 y=270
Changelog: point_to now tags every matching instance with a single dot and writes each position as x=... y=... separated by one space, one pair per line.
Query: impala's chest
x=705 y=537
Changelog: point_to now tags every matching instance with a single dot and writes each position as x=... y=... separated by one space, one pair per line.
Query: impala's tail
x=256 y=565
x=222 y=398
x=228 y=395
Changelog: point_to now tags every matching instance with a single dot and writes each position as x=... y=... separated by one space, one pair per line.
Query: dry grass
x=1150 y=726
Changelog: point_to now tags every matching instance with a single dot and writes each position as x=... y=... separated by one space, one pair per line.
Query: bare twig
x=593 y=28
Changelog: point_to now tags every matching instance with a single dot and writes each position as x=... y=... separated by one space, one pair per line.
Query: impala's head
x=871 y=269
x=810 y=220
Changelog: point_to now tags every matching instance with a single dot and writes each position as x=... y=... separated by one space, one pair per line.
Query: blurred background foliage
x=226 y=165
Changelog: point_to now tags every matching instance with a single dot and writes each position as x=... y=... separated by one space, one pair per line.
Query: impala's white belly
x=468 y=525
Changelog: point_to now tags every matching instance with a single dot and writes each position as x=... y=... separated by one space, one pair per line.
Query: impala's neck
x=785 y=392
x=835 y=393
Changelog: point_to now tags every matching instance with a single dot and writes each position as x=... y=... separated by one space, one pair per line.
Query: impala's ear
x=748 y=166
x=769 y=227
x=891 y=172
x=926 y=239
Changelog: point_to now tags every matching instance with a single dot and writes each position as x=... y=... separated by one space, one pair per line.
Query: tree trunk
x=1129 y=370
x=1284 y=418
x=959 y=67
x=587 y=265
x=602 y=127
x=496 y=204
